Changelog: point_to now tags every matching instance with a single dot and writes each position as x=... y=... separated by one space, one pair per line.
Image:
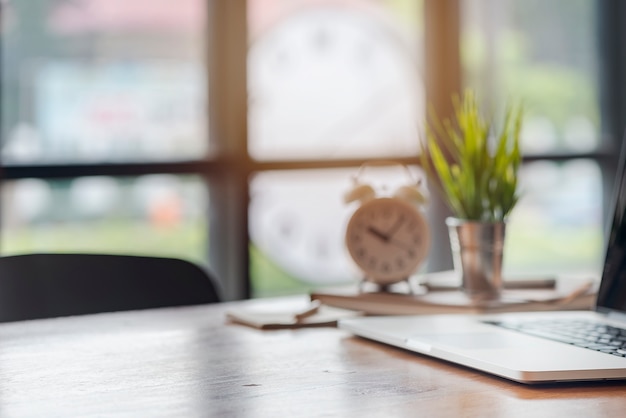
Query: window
x=331 y=82
x=546 y=53
x=543 y=52
x=160 y=214
x=101 y=103
x=227 y=132
x=328 y=80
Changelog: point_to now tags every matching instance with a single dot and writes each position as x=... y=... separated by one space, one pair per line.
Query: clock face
x=388 y=239
x=332 y=83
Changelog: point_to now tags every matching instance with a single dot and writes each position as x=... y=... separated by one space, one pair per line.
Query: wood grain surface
x=188 y=362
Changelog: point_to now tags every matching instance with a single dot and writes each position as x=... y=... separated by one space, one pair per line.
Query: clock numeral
x=386 y=267
x=372 y=262
x=411 y=253
x=400 y=263
x=361 y=253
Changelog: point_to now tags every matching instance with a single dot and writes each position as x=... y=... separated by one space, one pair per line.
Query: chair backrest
x=50 y=285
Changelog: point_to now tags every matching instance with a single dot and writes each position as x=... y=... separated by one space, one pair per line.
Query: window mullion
x=442 y=80
x=228 y=218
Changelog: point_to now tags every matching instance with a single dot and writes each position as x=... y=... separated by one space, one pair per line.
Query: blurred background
x=227 y=132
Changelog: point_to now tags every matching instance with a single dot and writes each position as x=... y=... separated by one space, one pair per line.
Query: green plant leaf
x=474 y=170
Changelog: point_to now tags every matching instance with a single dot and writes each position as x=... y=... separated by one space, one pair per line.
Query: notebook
x=527 y=347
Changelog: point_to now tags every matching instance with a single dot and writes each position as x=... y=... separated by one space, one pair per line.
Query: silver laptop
x=528 y=347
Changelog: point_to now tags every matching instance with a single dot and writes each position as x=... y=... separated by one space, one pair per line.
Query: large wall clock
x=332 y=83
x=324 y=83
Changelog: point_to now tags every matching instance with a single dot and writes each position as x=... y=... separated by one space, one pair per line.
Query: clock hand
x=395 y=226
x=377 y=233
x=387 y=238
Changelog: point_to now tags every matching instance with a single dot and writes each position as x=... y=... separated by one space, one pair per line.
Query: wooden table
x=187 y=362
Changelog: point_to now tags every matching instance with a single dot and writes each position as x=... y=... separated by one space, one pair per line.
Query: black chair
x=36 y=286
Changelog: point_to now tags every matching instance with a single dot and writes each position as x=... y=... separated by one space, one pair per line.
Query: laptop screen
x=612 y=292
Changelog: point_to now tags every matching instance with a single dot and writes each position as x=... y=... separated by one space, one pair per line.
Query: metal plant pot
x=477 y=249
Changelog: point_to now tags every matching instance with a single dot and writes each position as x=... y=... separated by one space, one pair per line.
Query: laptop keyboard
x=581 y=333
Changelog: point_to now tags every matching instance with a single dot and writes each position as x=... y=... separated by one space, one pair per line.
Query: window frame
x=227 y=170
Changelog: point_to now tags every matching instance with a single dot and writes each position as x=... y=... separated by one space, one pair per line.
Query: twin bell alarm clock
x=387 y=236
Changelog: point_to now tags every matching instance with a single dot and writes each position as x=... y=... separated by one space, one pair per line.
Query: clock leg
x=409 y=286
x=384 y=287
x=363 y=283
x=387 y=287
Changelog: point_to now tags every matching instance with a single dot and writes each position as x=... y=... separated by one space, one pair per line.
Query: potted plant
x=474 y=167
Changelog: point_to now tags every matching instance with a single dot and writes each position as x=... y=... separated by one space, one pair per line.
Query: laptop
x=528 y=347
